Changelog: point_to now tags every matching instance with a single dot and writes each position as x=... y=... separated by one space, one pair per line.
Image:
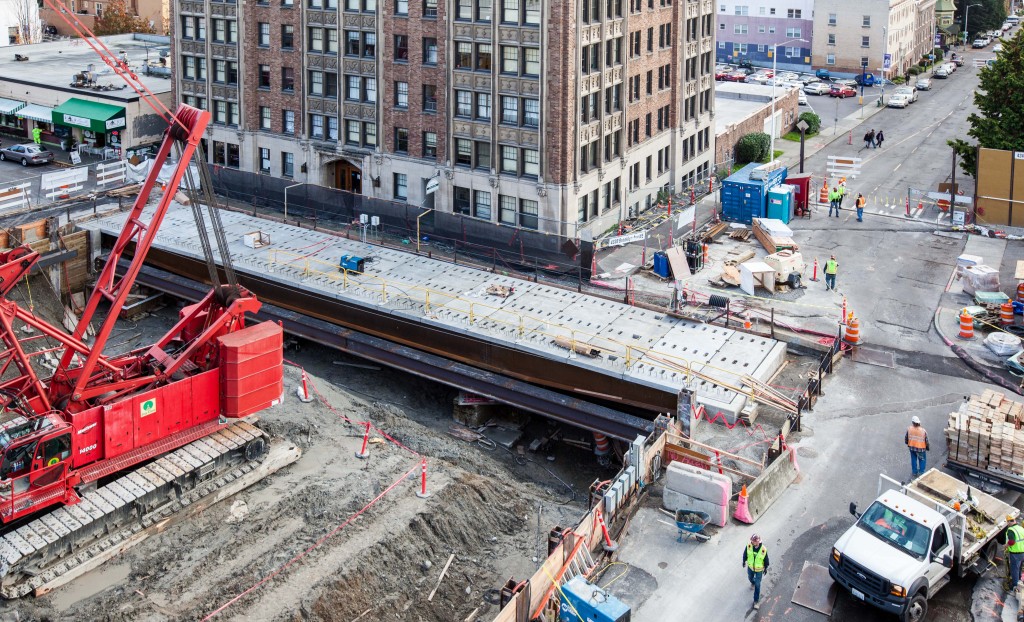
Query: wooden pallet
x=986 y=432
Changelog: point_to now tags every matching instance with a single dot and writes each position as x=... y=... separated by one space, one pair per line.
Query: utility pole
x=952 y=186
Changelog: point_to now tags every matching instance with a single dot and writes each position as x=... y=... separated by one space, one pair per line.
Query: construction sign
x=842 y=166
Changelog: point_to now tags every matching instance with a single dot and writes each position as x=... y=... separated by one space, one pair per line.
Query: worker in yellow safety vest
x=833 y=201
x=1014 y=553
x=831 y=269
x=755 y=560
x=916 y=439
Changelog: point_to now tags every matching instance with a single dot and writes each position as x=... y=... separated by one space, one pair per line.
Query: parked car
x=722 y=74
x=745 y=64
x=757 y=78
x=950 y=67
x=808 y=79
x=924 y=84
x=817 y=88
x=898 y=100
x=842 y=91
x=979 y=43
x=26 y=153
x=801 y=99
x=736 y=76
x=789 y=75
x=822 y=74
x=866 y=79
x=941 y=73
x=845 y=82
x=997 y=48
x=909 y=91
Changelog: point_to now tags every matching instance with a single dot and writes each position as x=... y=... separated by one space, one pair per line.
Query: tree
x=813 y=122
x=26 y=13
x=999 y=98
x=988 y=15
x=117 y=19
x=753 y=147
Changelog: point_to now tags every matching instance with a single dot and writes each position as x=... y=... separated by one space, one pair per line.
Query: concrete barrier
x=698 y=483
x=673 y=501
x=772 y=482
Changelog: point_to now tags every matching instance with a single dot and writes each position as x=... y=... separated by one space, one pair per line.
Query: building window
x=351 y=43
x=429 y=51
x=532 y=15
x=742 y=10
x=370 y=134
x=429 y=144
x=287 y=79
x=401 y=7
x=463 y=55
x=200 y=28
x=794 y=13
x=866 y=21
x=429 y=8
x=316 y=39
x=352 y=88
x=316 y=82
x=831 y=39
x=287 y=36
x=369 y=45
x=792 y=52
x=332 y=128
x=509 y=59
x=865 y=42
x=506 y=210
x=531 y=112
x=265 y=118
x=401 y=140
x=332 y=41
x=288 y=121
x=461 y=201
x=531 y=61
x=484 y=9
x=188 y=26
x=463 y=152
x=264 y=160
x=370 y=90
x=509 y=160
x=402 y=94
x=739 y=29
x=832 y=19
x=482 y=204
x=528 y=213
x=463 y=104
x=510 y=109
x=793 y=33
x=287 y=164
x=401 y=186
x=352 y=132
x=510 y=11
x=429 y=98
x=531 y=163
x=482 y=153
x=464 y=9
x=830 y=59
x=316 y=125
x=483 y=106
x=264 y=77
x=483 y=56
x=401 y=48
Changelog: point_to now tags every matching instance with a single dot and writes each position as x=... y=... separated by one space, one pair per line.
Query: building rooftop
x=53 y=64
x=735 y=101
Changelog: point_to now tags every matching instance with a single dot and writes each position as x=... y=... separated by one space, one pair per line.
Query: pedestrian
x=833 y=201
x=861 y=202
x=1014 y=553
x=831 y=269
x=869 y=139
x=879 y=137
x=916 y=439
x=842 y=190
x=37 y=135
x=755 y=560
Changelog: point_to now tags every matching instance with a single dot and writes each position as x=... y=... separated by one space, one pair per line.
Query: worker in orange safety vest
x=916 y=439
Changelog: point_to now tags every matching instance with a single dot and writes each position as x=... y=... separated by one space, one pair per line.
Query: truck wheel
x=917 y=609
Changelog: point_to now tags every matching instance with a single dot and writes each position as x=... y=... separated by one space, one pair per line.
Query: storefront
x=96 y=127
x=41 y=117
x=10 y=124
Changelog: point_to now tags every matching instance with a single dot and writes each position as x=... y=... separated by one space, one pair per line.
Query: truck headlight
x=898 y=590
x=836 y=555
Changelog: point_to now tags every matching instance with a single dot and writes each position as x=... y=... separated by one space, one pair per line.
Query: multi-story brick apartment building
x=748 y=29
x=848 y=34
x=562 y=115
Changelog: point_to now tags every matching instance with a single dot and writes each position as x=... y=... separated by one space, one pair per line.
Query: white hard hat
x=916 y=420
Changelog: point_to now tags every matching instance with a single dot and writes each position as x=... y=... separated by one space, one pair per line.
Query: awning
x=8 y=106
x=89 y=115
x=36 y=113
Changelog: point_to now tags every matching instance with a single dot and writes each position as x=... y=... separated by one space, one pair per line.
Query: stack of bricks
x=986 y=433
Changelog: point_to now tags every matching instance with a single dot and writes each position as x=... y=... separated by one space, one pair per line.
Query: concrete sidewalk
x=829 y=134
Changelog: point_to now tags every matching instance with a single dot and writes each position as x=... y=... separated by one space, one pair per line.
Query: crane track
x=54 y=548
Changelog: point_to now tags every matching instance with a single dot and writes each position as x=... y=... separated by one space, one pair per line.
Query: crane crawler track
x=65 y=543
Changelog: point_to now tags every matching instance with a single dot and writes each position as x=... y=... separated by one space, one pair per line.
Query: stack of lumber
x=774 y=235
x=986 y=433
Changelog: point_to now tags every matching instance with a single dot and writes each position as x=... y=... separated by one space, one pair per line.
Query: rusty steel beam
x=552 y=404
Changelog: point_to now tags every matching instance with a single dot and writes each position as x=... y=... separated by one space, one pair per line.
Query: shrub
x=938 y=53
x=813 y=122
x=898 y=80
x=753 y=147
x=914 y=71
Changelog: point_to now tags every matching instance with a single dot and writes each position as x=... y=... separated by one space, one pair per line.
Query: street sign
x=802 y=125
x=433 y=184
x=886 y=61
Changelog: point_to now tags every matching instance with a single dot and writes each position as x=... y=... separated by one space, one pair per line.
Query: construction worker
x=1014 y=553
x=833 y=201
x=861 y=202
x=842 y=190
x=755 y=560
x=916 y=439
x=37 y=136
x=831 y=269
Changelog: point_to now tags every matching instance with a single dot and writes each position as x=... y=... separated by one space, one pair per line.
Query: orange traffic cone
x=742 y=512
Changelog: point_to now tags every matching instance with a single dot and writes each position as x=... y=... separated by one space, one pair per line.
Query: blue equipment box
x=583 y=600
x=351 y=263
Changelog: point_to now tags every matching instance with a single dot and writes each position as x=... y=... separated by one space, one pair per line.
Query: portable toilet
x=802 y=190
x=780 y=202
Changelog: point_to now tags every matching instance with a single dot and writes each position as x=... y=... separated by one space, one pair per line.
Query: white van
x=1013 y=20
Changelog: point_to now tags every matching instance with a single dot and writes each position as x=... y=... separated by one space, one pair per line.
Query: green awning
x=89 y=115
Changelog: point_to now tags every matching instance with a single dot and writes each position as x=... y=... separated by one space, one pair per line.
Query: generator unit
x=351 y=263
x=581 y=600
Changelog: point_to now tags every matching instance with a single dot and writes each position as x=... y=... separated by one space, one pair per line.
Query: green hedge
x=813 y=122
x=753 y=147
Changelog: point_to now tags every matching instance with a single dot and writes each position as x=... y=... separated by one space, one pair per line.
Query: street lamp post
x=775 y=82
x=967 y=11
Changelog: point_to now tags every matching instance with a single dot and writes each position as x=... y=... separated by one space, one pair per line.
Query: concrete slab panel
x=771 y=484
x=815 y=589
x=899 y=313
x=701 y=485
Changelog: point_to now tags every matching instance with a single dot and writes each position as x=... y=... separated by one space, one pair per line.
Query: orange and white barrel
x=853 y=331
x=1006 y=314
x=966 y=325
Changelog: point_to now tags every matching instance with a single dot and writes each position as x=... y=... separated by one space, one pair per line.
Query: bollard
x=423 y=494
x=365 y=452
x=814 y=275
x=842 y=318
x=849 y=140
x=303 y=390
x=609 y=544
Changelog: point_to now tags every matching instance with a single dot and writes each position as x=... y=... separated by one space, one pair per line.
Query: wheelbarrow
x=691 y=524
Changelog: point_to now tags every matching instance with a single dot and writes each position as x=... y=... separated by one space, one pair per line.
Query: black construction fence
x=441 y=234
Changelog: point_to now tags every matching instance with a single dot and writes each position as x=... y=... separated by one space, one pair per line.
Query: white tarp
x=137 y=173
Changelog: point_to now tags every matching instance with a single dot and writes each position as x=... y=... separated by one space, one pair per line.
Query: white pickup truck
x=904 y=547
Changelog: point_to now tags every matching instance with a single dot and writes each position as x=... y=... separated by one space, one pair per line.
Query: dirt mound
x=474 y=518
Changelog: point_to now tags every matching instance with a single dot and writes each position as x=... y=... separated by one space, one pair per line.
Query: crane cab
x=36 y=457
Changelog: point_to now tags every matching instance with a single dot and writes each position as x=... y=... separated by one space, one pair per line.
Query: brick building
x=562 y=116
x=748 y=29
x=745 y=109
